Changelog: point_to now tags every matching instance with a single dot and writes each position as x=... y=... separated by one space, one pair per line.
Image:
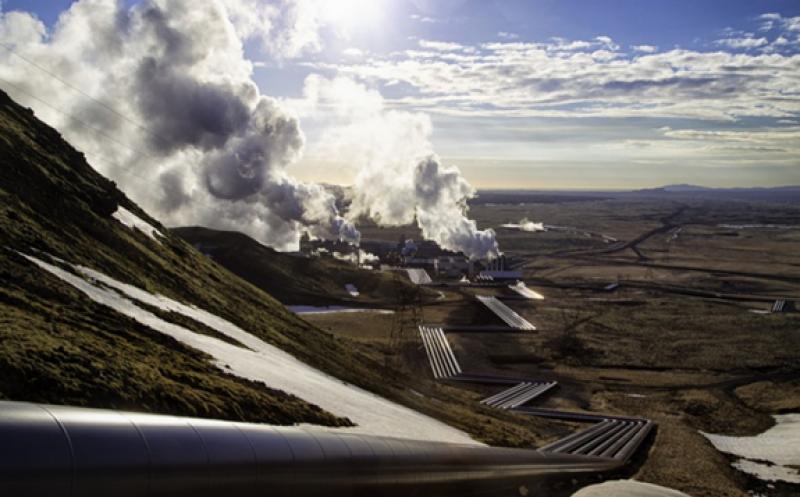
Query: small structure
x=497 y=264
x=418 y=276
x=497 y=270
x=782 y=305
x=505 y=313
x=451 y=266
x=352 y=290
x=343 y=250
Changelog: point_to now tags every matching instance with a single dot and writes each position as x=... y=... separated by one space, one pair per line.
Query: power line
x=75 y=88
x=87 y=125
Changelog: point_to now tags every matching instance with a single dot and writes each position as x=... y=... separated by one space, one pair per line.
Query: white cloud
x=773 y=20
x=745 y=42
x=777 y=136
x=442 y=46
x=604 y=55
x=426 y=19
x=516 y=79
x=644 y=48
x=563 y=44
x=507 y=35
x=353 y=52
x=608 y=42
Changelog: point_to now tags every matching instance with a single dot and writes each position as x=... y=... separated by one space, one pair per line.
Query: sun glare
x=352 y=15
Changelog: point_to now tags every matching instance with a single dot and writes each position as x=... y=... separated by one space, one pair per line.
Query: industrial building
x=318 y=247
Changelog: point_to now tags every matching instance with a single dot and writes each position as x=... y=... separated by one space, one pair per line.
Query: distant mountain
x=684 y=188
x=789 y=193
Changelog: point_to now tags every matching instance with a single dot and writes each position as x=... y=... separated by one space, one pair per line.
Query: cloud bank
x=595 y=78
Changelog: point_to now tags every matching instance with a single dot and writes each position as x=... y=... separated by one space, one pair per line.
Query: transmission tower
x=408 y=315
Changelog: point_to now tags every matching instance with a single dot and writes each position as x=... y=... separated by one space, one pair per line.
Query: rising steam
x=195 y=142
x=525 y=225
x=189 y=136
x=399 y=180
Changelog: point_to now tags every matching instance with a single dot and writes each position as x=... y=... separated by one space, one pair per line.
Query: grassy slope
x=57 y=346
x=291 y=279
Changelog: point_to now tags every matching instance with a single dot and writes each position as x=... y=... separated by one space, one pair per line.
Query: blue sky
x=550 y=93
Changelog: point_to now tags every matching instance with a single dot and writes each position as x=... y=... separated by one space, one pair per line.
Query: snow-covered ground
x=526 y=292
x=334 y=309
x=418 y=276
x=627 y=488
x=261 y=361
x=770 y=455
x=132 y=221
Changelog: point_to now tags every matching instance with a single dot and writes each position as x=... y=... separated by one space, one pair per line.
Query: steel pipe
x=67 y=451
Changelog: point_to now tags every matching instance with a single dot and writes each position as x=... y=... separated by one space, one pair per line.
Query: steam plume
x=186 y=114
x=398 y=179
x=195 y=141
x=525 y=225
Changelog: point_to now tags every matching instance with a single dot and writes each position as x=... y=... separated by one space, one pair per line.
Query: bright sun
x=350 y=15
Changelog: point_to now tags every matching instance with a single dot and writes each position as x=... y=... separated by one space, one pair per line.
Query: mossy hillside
x=56 y=345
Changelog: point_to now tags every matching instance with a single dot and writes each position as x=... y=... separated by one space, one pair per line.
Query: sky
x=539 y=94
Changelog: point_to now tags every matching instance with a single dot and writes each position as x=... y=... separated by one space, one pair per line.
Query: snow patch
x=526 y=292
x=627 y=488
x=418 y=276
x=132 y=221
x=768 y=456
x=263 y=362
x=352 y=290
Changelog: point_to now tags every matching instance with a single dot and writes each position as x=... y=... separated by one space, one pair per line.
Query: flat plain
x=686 y=339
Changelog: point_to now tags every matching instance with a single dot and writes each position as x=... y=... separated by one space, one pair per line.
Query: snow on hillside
x=261 y=361
x=627 y=488
x=133 y=221
x=771 y=456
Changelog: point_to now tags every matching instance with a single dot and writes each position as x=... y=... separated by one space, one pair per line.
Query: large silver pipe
x=62 y=451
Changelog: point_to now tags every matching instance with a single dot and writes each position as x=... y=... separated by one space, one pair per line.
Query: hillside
x=102 y=306
x=293 y=279
x=58 y=346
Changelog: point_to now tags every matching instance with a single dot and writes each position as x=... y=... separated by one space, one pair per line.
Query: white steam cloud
x=188 y=135
x=399 y=179
x=525 y=225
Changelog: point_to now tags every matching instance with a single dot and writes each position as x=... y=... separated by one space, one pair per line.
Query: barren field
x=685 y=340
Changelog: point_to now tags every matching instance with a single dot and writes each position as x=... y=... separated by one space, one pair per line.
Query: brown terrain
x=685 y=340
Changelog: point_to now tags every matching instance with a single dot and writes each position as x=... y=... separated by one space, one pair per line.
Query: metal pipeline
x=63 y=451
